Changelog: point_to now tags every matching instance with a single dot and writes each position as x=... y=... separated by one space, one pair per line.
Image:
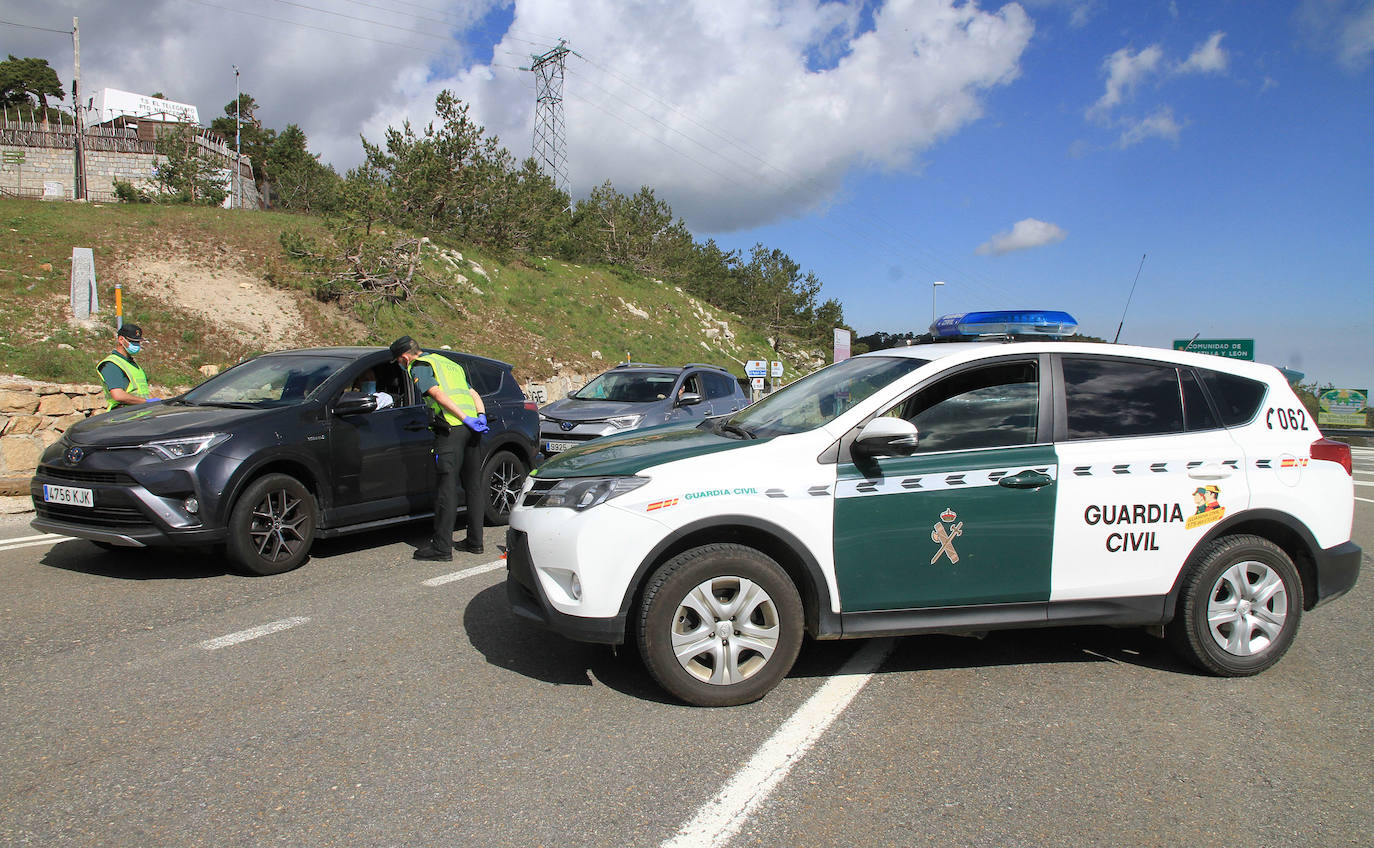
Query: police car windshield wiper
x=728 y=426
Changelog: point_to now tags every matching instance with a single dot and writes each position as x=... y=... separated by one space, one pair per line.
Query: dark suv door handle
x=1027 y=479
x=414 y=426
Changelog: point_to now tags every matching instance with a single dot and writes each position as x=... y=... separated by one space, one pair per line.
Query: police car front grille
x=537 y=491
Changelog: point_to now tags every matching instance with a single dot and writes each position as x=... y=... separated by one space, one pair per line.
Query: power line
x=450 y=23
x=39 y=28
x=414 y=47
x=361 y=20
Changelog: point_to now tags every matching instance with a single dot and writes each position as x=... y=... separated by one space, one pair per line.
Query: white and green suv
x=947 y=488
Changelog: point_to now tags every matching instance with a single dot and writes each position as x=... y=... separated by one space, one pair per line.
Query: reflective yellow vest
x=138 y=381
x=450 y=377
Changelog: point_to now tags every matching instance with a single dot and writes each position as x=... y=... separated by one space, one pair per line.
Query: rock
x=89 y=401
x=15 y=505
x=61 y=424
x=19 y=454
x=208 y=370
x=56 y=404
x=596 y=354
x=13 y=401
x=65 y=346
x=45 y=267
x=22 y=425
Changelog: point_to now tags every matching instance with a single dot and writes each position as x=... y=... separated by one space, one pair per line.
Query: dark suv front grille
x=81 y=475
x=98 y=516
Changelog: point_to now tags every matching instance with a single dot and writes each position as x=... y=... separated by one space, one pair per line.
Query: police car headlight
x=581 y=493
x=625 y=422
x=182 y=448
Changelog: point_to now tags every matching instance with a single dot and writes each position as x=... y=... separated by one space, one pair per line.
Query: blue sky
x=1027 y=154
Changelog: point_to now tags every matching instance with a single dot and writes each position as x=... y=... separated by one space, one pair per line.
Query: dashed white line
x=31 y=541
x=720 y=820
x=252 y=633
x=467 y=572
x=1366 y=500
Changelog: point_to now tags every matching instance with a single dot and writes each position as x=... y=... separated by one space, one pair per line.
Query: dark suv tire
x=504 y=473
x=272 y=525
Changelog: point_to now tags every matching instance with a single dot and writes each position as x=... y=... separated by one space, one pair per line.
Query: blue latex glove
x=478 y=424
x=152 y=400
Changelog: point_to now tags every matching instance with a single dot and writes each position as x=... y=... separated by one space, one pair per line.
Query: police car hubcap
x=1248 y=608
x=725 y=630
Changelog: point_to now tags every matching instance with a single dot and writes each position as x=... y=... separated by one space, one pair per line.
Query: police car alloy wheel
x=1239 y=607
x=720 y=625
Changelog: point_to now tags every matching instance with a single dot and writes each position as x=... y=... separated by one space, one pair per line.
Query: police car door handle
x=1209 y=471
x=1028 y=479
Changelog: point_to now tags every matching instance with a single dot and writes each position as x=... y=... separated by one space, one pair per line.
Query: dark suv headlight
x=184 y=447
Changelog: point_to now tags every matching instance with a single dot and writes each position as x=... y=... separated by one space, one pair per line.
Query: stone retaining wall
x=34 y=415
x=103 y=167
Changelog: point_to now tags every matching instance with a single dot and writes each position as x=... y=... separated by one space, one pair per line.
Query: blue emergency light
x=1005 y=322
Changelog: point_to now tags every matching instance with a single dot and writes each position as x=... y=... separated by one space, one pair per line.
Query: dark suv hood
x=137 y=424
x=575 y=409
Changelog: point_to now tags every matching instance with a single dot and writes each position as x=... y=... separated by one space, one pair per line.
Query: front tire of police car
x=720 y=625
x=1239 y=607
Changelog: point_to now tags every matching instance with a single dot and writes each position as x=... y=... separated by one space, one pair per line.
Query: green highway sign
x=1229 y=348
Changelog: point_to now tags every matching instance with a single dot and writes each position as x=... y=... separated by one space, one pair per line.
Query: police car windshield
x=820 y=397
x=266 y=381
x=629 y=386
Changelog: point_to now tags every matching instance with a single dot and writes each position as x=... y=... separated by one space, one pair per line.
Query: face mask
x=369 y=388
x=135 y=348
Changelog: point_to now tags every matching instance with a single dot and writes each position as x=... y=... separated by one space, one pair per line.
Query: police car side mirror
x=688 y=399
x=887 y=437
x=354 y=403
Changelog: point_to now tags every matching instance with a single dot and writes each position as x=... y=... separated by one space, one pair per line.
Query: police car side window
x=1112 y=398
x=1197 y=412
x=1238 y=399
x=992 y=406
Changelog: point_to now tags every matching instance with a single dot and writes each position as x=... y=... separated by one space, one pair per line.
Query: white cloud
x=1207 y=58
x=1343 y=28
x=1160 y=124
x=736 y=113
x=1024 y=235
x=1125 y=70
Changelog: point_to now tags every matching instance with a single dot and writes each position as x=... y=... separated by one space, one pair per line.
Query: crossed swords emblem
x=945 y=539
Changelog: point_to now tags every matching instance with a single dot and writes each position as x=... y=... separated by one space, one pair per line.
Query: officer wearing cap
x=125 y=382
x=458 y=420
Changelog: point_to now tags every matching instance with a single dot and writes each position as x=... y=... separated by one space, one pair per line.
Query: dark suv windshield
x=267 y=381
x=820 y=397
x=629 y=386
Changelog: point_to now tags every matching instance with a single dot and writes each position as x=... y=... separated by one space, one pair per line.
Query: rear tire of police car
x=272 y=526
x=720 y=625
x=1239 y=607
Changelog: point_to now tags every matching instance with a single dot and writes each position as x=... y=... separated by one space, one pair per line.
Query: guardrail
x=1347 y=432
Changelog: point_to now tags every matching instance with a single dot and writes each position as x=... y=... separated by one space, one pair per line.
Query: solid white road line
x=1366 y=500
x=252 y=633
x=716 y=823
x=467 y=572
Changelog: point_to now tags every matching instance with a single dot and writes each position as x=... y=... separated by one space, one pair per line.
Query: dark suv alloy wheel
x=505 y=473
x=272 y=525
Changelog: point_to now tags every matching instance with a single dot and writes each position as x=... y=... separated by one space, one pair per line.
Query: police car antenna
x=1128 y=299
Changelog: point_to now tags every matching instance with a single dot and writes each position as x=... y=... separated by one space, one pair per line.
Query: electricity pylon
x=549 y=129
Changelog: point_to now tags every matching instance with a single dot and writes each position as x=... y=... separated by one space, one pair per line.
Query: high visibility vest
x=138 y=381
x=450 y=377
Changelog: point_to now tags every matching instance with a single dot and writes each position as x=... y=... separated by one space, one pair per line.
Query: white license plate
x=556 y=447
x=68 y=495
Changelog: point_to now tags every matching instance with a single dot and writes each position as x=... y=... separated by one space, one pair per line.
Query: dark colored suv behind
x=272 y=454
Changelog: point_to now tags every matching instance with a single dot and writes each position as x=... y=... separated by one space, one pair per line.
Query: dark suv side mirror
x=688 y=399
x=887 y=437
x=354 y=403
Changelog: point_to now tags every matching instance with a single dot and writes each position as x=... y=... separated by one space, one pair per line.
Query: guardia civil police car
x=948 y=488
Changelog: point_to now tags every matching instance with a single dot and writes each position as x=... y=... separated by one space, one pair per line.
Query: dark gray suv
x=636 y=394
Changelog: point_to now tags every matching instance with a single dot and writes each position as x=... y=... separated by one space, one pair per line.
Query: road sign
x=775 y=369
x=756 y=368
x=757 y=383
x=1343 y=408
x=1229 y=348
x=14 y=157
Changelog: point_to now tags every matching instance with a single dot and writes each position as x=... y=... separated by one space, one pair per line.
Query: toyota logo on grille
x=565 y=426
x=74 y=455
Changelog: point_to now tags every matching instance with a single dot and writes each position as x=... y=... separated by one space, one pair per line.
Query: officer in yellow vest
x=458 y=420
x=125 y=382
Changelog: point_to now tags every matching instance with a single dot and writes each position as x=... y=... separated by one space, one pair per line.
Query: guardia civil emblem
x=945 y=536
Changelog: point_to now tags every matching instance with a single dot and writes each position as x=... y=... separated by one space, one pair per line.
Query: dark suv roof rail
x=706 y=365
x=638 y=365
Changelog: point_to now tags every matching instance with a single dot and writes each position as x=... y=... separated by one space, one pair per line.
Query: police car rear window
x=1238 y=399
x=1113 y=398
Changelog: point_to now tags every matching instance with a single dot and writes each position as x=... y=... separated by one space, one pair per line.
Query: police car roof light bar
x=1042 y=323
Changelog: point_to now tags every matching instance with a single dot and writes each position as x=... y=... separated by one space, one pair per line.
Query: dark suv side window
x=718 y=385
x=1108 y=398
x=1238 y=399
x=992 y=406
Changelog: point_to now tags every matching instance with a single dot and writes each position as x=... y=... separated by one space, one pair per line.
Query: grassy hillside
x=544 y=316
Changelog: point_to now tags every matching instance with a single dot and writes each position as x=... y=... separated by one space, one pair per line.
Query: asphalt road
x=150 y=698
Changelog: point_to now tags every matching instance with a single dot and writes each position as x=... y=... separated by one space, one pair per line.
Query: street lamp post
x=933 y=287
x=238 y=157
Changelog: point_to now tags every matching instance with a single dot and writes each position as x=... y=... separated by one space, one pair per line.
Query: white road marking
x=1361 y=483
x=31 y=541
x=467 y=572
x=721 y=818
x=252 y=633
x=1366 y=500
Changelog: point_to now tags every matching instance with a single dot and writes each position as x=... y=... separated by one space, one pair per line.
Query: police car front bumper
x=528 y=600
